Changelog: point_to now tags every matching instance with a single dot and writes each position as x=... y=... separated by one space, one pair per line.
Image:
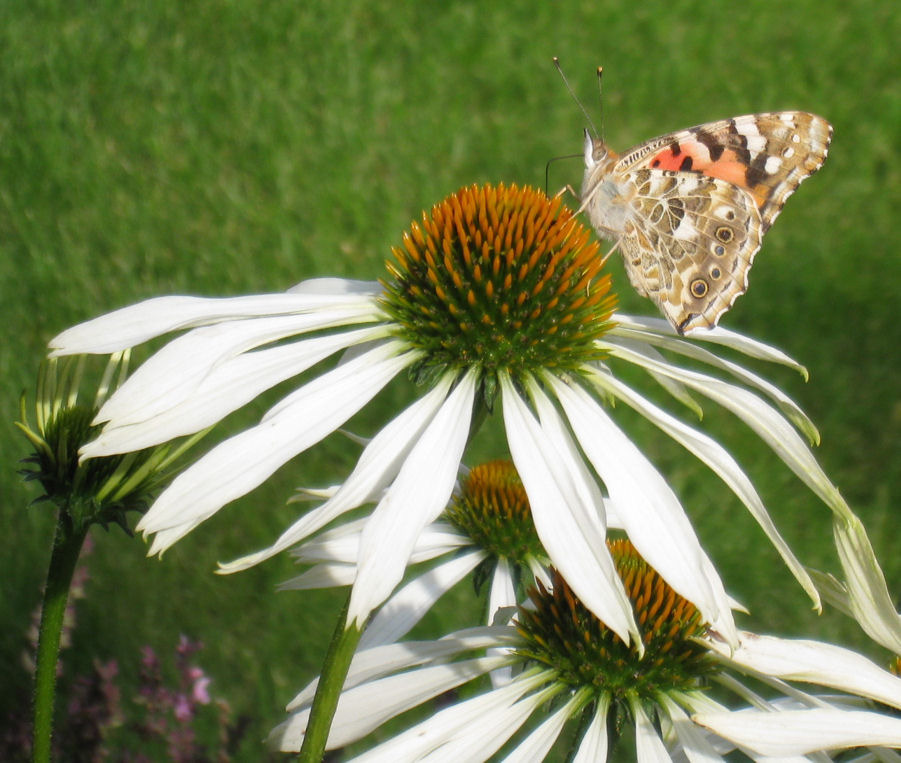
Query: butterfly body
x=688 y=210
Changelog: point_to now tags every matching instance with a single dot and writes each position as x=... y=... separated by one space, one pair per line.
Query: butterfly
x=688 y=210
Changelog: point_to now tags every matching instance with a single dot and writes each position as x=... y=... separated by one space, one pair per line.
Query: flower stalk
x=67 y=545
x=334 y=671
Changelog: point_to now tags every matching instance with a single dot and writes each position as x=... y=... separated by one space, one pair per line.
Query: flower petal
x=649 y=510
x=565 y=519
x=379 y=661
x=418 y=495
x=801 y=732
x=239 y=464
x=868 y=594
x=224 y=388
x=132 y=325
x=719 y=335
x=472 y=729
x=814 y=662
x=364 y=708
x=720 y=461
x=539 y=742
x=769 y=425
x=593 y=746
x=649 y=746
x=692 y=740
x=405 y=608
x=377 y=466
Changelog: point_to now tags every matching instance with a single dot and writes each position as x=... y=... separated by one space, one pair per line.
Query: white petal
x=868 y=594
x=800 y=732
x=769 y=425
x=650 y=511
x=418 y=495
x=719 y=335
x=407 y=607
x=379 y=661
x=569 y=529
x=593 y=747
x=692 y=739
x=487 y=720
x=326 y=575
x=501 y=598
x=377 y=466
x=788 y=406
x=502 y=594
x=539 y=742
x=135 y=324
x=335 y=286
x=224 y=388
x=239 y=464
x=366 y=707
x=815 y=662
x=718 y=459
x=649 y=746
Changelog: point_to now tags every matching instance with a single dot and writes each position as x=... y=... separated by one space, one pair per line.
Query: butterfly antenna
x=601 y=102
x=574 y=96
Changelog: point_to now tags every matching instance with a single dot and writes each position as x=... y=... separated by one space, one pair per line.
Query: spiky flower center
x=561 y=633
x=492 y=509
x=501 y=278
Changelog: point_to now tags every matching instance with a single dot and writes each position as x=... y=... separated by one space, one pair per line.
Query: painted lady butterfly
x=688 y=210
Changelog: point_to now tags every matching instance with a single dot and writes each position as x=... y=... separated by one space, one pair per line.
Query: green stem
x=63 y=558
x=331 y=681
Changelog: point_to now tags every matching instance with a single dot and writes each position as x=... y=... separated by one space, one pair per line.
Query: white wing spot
x=772 y=164
x=756 y=143
x=788 y=153
x=796 y=138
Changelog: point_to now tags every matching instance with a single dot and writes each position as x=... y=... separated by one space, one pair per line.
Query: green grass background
x=229 y=147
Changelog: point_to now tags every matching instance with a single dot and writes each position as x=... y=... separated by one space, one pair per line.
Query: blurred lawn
x=215 y=148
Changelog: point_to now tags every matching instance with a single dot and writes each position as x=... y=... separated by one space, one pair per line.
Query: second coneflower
x=495 y=297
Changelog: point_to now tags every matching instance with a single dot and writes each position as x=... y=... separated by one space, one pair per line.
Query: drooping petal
x=377 y=466
x=801 y=732
x=814 y=662
x=539 y=742
x=868 y=594
x=645 y=345
x=719 y=335
x=365 y=707
x=132 y=325
x=650 y=511
x=692 y=740
x=380 y=661
x=649 y=747
x=239 y=464
x=418 y=495
x=326 y=575
x=224 y=388
x=407 y=607
x=557 y=503
x=769 y=425
x=593 y=747
x=474 y=728
x=720 y=461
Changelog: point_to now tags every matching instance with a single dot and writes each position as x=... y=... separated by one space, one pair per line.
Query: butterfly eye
x=699 y=287
x=724 y=234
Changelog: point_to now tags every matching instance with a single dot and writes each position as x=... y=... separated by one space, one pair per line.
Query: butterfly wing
x=768 y=155
x=688 y=242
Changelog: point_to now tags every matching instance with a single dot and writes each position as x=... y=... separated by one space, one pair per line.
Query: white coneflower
x=496 y=296
x=578 y=685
